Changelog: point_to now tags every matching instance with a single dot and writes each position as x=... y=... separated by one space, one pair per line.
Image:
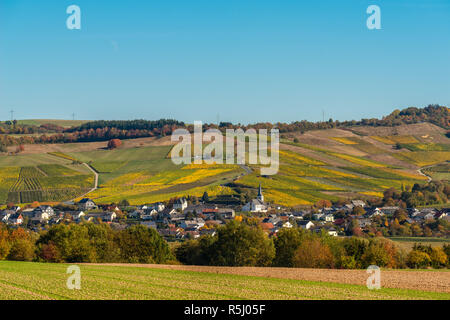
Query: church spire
x=260 y=195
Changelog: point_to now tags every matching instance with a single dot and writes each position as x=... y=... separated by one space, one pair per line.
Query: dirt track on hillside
x=437 y=281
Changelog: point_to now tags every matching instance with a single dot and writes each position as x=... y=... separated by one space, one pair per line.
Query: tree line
x=103 y=130
x=235 y=244
x=86 y=242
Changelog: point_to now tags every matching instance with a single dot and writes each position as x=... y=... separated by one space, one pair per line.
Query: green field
x=62 y=123
x=439 y=172
x=37 y=281
x=407 y=243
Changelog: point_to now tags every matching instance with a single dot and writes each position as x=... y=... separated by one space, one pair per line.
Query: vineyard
x=46 y=183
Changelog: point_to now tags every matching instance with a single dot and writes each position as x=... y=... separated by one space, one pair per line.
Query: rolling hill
x=322 y=164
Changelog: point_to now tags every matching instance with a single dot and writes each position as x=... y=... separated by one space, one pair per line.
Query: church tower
x=260 y=196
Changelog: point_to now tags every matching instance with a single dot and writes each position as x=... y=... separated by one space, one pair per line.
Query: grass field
x=407 y=243
x=439 y=172
x=19 y=281
x=62 y=123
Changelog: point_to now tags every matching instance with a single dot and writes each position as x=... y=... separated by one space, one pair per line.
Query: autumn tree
x=313 y=254
x=114 y=144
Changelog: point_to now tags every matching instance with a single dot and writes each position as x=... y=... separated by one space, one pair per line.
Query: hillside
x=322 y=164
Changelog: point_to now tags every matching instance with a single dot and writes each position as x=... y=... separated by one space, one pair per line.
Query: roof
x=257 y=202
x=85 y=200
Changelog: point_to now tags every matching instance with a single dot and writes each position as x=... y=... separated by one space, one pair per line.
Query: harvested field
x=91 y=146
x=432 y=280
x=410 y=129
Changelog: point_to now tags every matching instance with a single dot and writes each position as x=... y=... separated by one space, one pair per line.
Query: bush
x=418 y=259
x=438 y=258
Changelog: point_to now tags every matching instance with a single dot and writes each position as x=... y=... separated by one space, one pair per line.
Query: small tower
x=260 y=196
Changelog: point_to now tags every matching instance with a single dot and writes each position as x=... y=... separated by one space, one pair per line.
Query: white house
x=196 y=223
x=305 y=224
x=376 y=212
x=329 y=218
x=159 y=206
x=180 y=204
x=15 y=219
x=358 y=203
x=76 y=216
x=149 y=214
x=43 y=211
x=87 y=204
x=287 y=224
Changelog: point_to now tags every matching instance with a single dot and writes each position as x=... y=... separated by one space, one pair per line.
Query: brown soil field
x=432 y=280
x=420 y=129
x=388 y=159
x=90 y=146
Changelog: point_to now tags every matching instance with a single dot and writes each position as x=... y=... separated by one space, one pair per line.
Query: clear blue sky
x=246 y=60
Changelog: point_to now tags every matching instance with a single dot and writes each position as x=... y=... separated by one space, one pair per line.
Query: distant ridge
x=58 y=122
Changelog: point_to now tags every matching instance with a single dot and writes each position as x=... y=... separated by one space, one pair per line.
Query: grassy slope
x=20 y=280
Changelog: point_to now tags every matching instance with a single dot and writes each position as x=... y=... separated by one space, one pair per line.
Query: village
x=183 y=219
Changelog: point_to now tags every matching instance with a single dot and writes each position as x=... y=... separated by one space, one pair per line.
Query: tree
x=50 y=253
x=5 y=245
x=114 y=143
x=313 y=254
x=21 y=250
x=140 y=244
x=124 y=203
x=238 y=245
x=359 y=211
x=323 y=204
x=286 y=244
x=205 y=197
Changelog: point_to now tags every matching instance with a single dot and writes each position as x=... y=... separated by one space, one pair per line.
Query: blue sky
x=244 y=61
